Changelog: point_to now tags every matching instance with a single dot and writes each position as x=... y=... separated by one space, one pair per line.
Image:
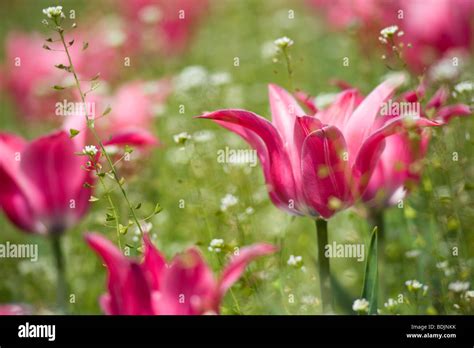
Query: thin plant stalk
x=323 y=265
x=56 y=246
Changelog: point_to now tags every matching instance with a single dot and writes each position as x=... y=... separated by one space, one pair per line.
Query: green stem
x=60 y=268
x=94 y=133
x=288 y=68
x=323 y=263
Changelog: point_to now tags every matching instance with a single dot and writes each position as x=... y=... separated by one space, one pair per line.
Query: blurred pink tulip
x=42 y=187
x=133 y=109
x=318 y=165
x=162 y=24
x=14 y=309
x=434 y=28
x=186 y=286
x=400 y=164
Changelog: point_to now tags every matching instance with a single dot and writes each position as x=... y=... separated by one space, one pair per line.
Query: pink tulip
x=13 y=309
x=185 y=286
x=317 y=165
x=434 y=28
x=29 y=74
x=399 y=166
x=132 y=115
x=42 y=187
x=162 y=24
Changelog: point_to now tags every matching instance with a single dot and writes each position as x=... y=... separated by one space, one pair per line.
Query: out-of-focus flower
x=391 y=304
x=413 y=285
x=185 y=286
x=458 y=286
x=43 y=185
x=162 y=25
x=14 y=309
x=399 y=166
x=433 y=28
x=295 y=261
x=229 y=200
x=360 y=305
x=283 y=42
x=216 y=245
x=318 y=165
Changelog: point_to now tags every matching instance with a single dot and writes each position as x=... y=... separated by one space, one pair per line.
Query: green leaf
x=58 y=88
x=158 y=208
x=138 y=206
x=107 y=110
x=123 y=229
x=128 y=149
x=73 y=132
x=369 y=290
x=85 y=45
x=109 y=217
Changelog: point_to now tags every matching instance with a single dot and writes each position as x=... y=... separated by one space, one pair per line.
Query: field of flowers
x=137 y=177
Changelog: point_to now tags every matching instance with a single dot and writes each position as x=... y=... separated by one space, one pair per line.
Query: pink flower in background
x=29 y=74
x=185 y=286
x=42 y=187
x=434 y=28
x=133 y=107
x=162 y=24
x=399 y=167
x=317 y=165
x=14 y=309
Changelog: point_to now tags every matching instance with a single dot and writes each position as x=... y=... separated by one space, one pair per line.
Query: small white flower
x=203 y=136
x=389 y=31
x=145 y=226
x=150 y=14
x=54 y=11
x=464 y=86
x=412 y=254
x=284 y=42
x=458 y=286
x=216 y=245
x=442 y=264
x=249 y=211
x=181 y=138
x=469 y=294
x=360 y=305
x=229 y=200
x=390 y=304
x=220 y=78
x=295 y=261
x=90 y=150
x=413 y=285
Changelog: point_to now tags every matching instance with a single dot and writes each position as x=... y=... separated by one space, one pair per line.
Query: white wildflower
x=295 y=261
x=283 y=42
x=90 y=150
x=458 y=286
x=228 y=200
x=54 y=11
x=469 y=294
x=181 y=138
x=390 y=304
x=216 y=245
x=360 y=305
x=389 y=31
x=413 y=285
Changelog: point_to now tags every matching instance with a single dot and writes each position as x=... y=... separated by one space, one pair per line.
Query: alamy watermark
x=20 y=251
x=66 y=108
x=336 y=250
x=237 y=156
x=400 y=108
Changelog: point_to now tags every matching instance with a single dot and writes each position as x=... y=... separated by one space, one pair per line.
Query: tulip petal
x=438 y=99
x=264 y=138
x=360 y=124
x=284 y=109
x=445 y=114
x=325 y=172
x=339 y=112
x=188 y=286
x=234 y=269
x=371 y=150
x=153 y=263
x=50 y=163
x=129 y=293
x=133 y=137
x=307 y=100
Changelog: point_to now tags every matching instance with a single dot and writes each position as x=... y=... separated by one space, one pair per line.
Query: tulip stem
x=60 y=269
x=323 y=264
